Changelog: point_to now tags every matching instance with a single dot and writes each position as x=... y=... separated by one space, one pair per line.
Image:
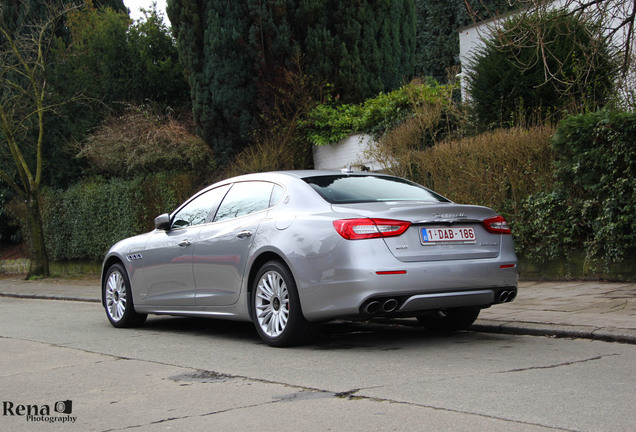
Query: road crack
x=558 y=365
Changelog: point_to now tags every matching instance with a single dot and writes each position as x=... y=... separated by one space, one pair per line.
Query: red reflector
x=505 y=266
x=392 y=272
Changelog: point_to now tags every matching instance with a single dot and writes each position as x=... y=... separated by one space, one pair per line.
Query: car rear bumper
x=354 y=281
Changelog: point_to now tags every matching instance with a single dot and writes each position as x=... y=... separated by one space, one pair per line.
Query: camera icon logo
x=64 y=407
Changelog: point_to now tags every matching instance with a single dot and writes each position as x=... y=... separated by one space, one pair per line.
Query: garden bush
x=145 y=140
x=593 y=204
x=330 y=122
x=498 y=169
x=279 y=143
x=83 y=221
x=537 y=68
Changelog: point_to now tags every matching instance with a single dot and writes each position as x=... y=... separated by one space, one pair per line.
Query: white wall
x=351 y=150
x=471 y=38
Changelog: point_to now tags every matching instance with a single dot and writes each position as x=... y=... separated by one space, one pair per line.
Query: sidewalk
x=588 y=310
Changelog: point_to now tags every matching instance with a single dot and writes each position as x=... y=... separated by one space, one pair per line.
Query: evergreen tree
x=362 y=48
x=513 y=82
x=438 y=23
x=110 y=63
x=15 y=13
x=233 y=53
x=213 y=42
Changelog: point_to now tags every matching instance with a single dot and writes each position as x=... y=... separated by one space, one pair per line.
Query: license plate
x=461 y=235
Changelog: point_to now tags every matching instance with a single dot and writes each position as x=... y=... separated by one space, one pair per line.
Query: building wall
x=352 y=150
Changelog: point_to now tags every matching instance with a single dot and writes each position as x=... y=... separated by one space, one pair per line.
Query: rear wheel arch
x=258 y=263
x=280 y=321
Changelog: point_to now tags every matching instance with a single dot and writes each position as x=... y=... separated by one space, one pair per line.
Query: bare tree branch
x=615 y=20
x=23 y=109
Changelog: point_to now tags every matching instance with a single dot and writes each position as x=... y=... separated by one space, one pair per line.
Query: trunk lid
x=438 y=231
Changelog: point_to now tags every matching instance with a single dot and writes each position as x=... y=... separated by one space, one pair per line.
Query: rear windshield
x=343 y=189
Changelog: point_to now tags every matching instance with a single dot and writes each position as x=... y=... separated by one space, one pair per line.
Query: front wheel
x=452 y=319
x=276 y=308
x=118 y=299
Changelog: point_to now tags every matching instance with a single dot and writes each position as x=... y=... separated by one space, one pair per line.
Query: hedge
x=82 y=222
x=592 y=206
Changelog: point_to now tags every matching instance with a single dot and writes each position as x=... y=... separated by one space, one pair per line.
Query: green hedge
x=592 y=207
x=82 y=222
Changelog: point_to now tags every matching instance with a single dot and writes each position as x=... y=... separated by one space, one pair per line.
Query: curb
x=604 y=334
x=50 y=297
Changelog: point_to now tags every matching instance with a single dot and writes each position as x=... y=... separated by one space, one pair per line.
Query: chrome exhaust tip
x=373 y=307
x=503 y=296
x=506 y=296
x=390 y=305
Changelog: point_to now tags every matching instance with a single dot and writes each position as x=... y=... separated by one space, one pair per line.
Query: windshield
x=343 y=189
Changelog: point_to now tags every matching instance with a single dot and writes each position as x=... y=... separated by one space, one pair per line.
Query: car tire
x=452 y=319
x=276 y=310
x=118 y=300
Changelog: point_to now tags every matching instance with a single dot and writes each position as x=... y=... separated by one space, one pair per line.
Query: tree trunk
x=39 y=265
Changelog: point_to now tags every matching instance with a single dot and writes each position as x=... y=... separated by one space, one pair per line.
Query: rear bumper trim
x=450 y=299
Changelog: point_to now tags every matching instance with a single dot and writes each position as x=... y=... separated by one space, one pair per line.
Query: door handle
x=244 y=234
x=184 y=243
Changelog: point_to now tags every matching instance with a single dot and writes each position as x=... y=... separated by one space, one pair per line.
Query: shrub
x=279 y=142
x=9 y=229
x=330 y=122
x=143 y=141
x=540 y=67
x=547 y=227
x=593 y=204
x=499 y=169
x=82 y=222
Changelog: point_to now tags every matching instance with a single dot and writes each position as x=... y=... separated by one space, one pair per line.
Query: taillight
x=497 y=225
x=357 y=229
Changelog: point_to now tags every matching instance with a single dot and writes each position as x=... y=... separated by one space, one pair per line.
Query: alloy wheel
x=116 y=296
x=272 y=304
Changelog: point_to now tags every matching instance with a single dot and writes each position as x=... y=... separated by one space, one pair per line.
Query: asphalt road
x=208 y=375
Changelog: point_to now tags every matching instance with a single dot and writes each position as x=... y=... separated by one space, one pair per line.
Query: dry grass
x=498 y=169
x=272 y=154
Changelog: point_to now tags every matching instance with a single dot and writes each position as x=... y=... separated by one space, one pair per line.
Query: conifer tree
x=234 y=51
x=438 y=23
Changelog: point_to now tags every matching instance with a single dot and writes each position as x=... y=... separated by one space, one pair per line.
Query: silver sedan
x=288 y=250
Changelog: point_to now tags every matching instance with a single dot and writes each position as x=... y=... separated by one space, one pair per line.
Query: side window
x=277 y=194
x=245 y=198
x=200 y=209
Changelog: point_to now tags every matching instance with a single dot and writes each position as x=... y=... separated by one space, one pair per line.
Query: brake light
x=497 y=225
x=357 y=229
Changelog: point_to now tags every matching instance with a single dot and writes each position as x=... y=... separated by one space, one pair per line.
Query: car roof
x=282 y=176
x=299 y=174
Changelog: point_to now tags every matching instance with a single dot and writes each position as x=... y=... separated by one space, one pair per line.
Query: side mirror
x=162 y=222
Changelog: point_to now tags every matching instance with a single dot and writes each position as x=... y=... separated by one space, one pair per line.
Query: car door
x=169 y=279
x=222 y=247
